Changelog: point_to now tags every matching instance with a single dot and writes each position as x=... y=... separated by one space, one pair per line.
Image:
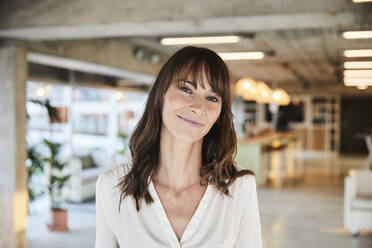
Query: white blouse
x=218 y=222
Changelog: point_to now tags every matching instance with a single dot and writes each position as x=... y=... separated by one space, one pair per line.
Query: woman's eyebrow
x=195 y=85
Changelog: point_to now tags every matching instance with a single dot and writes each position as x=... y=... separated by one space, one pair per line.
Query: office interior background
x=75 y=76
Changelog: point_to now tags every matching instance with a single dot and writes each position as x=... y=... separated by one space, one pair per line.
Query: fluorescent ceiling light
x=361 y=1
x=241 y=55
x=358 y=65
x=357 y=81
x=357 y=34
x=357 y=73
x=199 y=40
x=358 y=53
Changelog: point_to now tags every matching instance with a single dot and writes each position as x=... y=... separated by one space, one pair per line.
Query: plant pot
x=59 y=220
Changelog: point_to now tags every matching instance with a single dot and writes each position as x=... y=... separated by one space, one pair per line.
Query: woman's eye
x=212 y=99
x=185 y=89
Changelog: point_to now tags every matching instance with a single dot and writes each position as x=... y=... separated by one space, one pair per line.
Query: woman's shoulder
x=119 y=170
x=247 y=178
x=114 y=175
x=243 y=184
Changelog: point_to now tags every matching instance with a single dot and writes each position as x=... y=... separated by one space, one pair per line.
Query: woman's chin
x=189 y=138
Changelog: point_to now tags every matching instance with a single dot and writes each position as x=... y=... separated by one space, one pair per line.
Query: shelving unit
x=250 y=112
x=334 y=125
x=94 y=116
x=325 y=122
x=320 y=129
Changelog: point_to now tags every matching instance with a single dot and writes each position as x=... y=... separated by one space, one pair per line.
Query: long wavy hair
x=219 y=144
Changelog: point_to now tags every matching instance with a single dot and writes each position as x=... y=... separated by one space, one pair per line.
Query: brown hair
x=219 y=145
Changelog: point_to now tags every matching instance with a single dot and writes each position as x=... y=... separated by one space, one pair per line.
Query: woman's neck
x=179 y=162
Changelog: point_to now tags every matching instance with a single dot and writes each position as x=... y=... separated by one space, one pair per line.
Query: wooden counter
x=267 y=139
x=270 y=156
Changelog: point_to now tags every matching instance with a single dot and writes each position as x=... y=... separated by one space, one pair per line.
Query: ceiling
x=304 y=37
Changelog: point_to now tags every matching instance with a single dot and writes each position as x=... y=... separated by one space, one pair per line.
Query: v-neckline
x=191 y=225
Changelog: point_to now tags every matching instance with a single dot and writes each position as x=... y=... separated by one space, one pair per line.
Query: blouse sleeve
x=105 y=238
x=249 y=234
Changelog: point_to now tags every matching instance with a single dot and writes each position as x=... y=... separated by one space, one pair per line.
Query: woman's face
x=189 y=111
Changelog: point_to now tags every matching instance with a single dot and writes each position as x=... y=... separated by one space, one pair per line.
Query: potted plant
x=57 y=181
x=57 y=178
x=35 y=165
x=124 y=140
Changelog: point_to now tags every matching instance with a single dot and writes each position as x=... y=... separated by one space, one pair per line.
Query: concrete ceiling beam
x=77 y=65
x=110 y=57
x=220 y=25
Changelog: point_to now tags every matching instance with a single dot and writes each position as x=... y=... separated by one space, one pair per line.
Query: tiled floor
x=308 y=213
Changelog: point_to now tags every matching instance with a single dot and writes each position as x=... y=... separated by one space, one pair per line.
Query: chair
x=368 y=161
x=358 y=201
x=82 y=183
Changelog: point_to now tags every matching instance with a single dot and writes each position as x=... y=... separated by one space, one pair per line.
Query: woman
x=182 y=188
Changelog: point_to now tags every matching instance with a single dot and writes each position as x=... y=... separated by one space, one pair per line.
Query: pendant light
x=265 y=93
x=246 y=87
x=281 y=97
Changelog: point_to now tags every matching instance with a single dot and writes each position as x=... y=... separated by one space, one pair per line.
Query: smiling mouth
x=190 y=121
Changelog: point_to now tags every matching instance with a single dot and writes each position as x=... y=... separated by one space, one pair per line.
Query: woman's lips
x=190 y=122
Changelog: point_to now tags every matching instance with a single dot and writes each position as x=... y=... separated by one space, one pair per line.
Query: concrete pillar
x=13 y=173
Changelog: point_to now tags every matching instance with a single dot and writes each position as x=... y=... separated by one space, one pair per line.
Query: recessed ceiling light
x=358 y=65
x=358 y=53
x=40 y=92
x=241 y=55
x=199 y=40
x=357 y=34
x=357 y=73
x=362 y=87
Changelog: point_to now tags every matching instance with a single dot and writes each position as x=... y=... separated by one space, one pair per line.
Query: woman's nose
x=197 y=105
